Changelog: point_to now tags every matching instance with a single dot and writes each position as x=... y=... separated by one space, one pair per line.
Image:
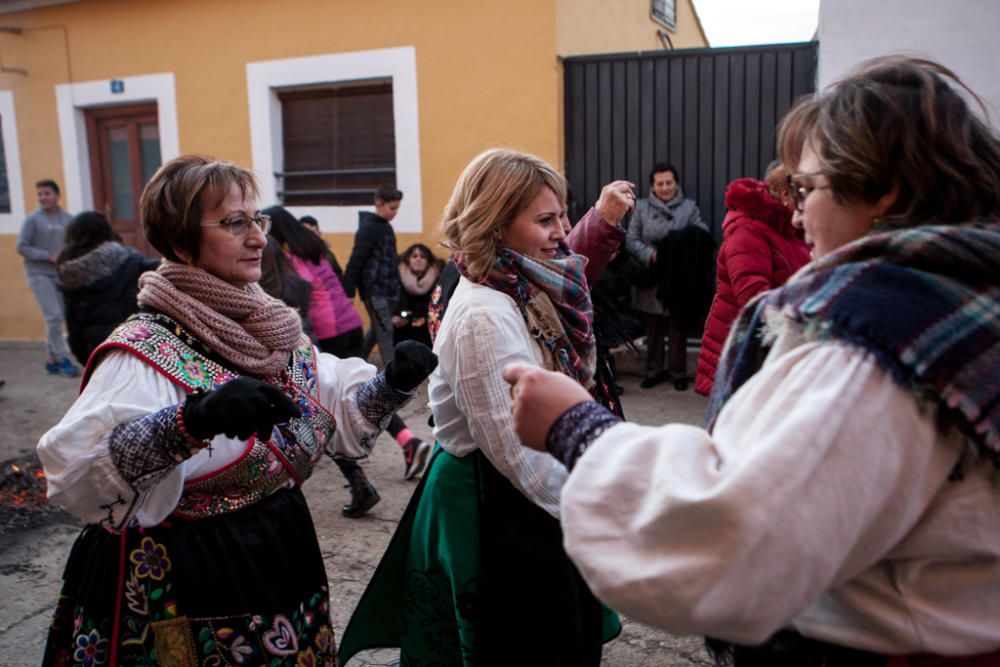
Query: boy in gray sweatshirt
x=40 y=242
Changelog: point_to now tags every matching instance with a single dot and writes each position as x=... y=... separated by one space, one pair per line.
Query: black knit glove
x=238 y=408
x=411 y=363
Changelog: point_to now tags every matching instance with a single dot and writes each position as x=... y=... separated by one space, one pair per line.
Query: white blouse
x=821 y=501
x=83 y=479
x=482 y=331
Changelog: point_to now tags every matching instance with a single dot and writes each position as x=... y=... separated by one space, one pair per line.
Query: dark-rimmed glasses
x=799 y=191
x=239 y=224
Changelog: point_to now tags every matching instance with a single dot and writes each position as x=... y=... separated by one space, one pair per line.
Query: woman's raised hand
x=411 y=363
x=617 y=198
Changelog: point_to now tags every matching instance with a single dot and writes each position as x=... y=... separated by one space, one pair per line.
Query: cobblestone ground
x=31 y=559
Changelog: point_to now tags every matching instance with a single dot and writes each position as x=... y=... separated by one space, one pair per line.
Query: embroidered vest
x=285 y=459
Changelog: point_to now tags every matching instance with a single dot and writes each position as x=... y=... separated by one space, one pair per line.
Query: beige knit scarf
x=244 y=325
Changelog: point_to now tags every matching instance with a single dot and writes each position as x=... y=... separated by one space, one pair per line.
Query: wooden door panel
x=125 y=153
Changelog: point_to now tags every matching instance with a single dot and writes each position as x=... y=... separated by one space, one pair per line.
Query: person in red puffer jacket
x=760 y=250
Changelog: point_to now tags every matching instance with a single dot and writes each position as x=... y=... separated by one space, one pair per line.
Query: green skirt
x=476 y=575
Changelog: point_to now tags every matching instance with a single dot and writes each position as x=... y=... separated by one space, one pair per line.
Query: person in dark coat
x=665 y=210
x=99 y=277
x=372 y=270
x=760 y=251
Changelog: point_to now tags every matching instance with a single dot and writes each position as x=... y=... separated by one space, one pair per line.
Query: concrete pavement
x=31 y=560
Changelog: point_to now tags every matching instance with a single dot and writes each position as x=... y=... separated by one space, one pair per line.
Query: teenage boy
x=373 y=270
x=40 y=243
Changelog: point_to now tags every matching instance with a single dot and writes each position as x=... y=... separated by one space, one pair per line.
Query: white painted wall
x=960 y=34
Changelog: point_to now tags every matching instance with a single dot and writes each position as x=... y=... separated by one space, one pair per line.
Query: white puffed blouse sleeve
x=817 y=468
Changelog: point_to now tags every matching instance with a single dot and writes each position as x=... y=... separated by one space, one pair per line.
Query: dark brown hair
x=900 y=123
x=84 y=233
x=179 y=193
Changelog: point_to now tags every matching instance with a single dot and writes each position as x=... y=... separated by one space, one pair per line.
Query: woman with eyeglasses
x=199 y=419
x=842 y=508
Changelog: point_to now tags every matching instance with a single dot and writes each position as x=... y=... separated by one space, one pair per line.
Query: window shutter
x=339 y=144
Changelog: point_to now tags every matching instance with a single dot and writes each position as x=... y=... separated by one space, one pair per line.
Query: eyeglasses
x=799 y=192
x=239 y=225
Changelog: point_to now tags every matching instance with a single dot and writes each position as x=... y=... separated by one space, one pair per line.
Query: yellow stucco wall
x=487 y=75
x=610 y=26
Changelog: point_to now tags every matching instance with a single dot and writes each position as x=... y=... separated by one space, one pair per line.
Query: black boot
x=363 y=494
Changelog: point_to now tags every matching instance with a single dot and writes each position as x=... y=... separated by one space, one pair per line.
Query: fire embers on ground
x=22 y=496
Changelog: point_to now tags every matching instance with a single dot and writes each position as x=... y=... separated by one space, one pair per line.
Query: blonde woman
x=478 y=557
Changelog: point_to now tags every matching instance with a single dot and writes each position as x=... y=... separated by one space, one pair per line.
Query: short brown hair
x=900 y=123
x=179 y=192
x=495 y=187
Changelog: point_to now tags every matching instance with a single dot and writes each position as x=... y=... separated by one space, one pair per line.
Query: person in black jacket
x=99 y=278
x=372 y=271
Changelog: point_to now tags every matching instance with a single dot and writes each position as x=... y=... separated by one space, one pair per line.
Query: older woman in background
x=842 y=510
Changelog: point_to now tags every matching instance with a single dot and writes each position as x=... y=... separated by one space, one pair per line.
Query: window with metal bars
x=664 y=12
x=339 y=143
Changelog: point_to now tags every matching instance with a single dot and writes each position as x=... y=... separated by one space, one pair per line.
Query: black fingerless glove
x=238 y=408
x=411 y=363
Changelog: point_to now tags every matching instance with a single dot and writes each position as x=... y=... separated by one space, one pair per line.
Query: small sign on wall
x=117 y=86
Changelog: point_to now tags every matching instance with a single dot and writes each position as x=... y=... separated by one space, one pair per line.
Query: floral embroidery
x=281 y=640
x=91 y=649
x=166 y=349
x=138 y=334
x=151 y=560
x=135 y=594
x=241 y=650
x=193 y=369
x=324 y=638
x=306 y=659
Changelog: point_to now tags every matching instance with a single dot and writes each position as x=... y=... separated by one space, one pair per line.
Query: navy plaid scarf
x=562 y=283
x=924 y=301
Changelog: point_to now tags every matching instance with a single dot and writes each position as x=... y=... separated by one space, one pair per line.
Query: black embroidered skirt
x=247 y=587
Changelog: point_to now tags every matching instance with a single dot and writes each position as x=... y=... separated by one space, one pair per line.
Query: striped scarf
x=554 y=300
x=924 y=301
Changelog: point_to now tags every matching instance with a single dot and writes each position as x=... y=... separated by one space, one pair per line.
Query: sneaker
x=66 y=368
x=681 y=384
x=415 y=452
x=52 y=368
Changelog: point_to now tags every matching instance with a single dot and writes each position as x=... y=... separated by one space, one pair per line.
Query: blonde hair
x=180 y=192
x=496 y=186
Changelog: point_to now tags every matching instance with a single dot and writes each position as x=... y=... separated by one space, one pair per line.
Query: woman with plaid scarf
x=477 y=559
x=841 y=507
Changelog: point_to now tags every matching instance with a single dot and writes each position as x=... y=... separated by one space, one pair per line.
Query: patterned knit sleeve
x=116 y=457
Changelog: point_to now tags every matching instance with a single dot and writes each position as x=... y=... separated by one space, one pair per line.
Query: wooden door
x=124 y=155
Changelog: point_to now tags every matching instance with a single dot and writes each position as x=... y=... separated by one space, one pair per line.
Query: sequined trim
x=576 y=429
x=286 y=459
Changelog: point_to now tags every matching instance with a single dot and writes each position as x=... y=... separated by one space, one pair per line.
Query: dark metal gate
x=712 y=113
